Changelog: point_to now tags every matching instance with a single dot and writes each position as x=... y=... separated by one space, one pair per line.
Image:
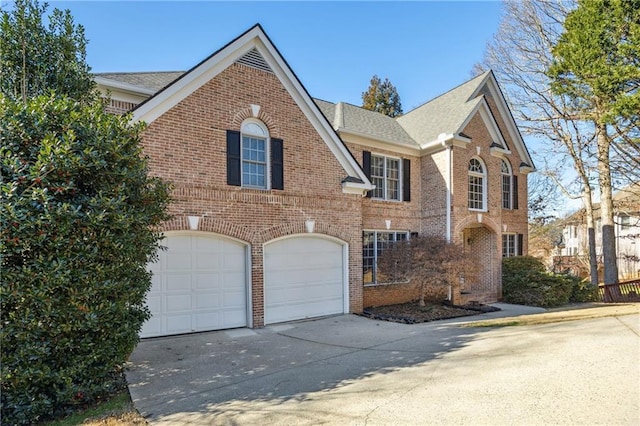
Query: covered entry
x=304 y=277
x=199 y=284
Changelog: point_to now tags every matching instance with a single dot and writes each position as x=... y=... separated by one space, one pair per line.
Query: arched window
x=507 y=185
x=477 y=185
x=255 y=155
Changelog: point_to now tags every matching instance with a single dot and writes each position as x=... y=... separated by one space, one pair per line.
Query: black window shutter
x=520 y=244
x=366 y=166
x=406 y=179
x=277 y=164
x=514 y=184
x=233 y=158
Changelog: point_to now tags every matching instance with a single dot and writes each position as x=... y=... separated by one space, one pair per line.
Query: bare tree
x=520 y=55
x=432 y=263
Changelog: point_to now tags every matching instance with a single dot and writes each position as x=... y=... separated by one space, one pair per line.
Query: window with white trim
x=255 y=155
x=507 y=185
x=477 y=185
x=373 y=244
x=386 y=176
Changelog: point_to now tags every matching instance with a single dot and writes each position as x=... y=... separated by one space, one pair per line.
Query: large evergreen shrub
x=78 y=213
x=526 y=282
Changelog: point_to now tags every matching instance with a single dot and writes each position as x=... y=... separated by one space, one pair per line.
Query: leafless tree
x=520 y=55
x=430 y=262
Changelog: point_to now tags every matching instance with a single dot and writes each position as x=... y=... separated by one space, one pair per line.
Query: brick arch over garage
x=208 y=224
x=299 y=227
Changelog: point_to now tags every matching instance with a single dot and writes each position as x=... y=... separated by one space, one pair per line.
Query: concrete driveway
x=355 y=371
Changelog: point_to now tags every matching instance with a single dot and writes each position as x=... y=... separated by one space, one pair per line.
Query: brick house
x=282 y=203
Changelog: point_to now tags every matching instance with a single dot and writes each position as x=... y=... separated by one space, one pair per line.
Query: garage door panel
x=304 y=277
x=199 y=284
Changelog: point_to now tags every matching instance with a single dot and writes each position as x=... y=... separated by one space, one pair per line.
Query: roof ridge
x=483 y=75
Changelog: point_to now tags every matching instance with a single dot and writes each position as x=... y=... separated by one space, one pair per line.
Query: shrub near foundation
x=77 y=214
x=525 y=282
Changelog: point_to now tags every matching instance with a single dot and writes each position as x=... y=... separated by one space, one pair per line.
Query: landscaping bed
x=412 y=313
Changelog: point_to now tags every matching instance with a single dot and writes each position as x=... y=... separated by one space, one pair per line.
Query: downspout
x=448 y=200
x=448 y=185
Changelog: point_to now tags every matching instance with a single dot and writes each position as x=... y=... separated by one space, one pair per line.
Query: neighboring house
x=574 y=249
x=282 y=204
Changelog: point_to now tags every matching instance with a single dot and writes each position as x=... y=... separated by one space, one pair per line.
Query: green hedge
x=77 y=215
x=525 y=282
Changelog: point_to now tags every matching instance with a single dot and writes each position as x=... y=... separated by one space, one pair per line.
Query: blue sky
x=424 y=48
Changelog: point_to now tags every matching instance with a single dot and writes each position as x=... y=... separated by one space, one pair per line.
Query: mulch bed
x=412 y=313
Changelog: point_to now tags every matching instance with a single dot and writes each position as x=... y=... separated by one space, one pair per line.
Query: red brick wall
x=187 y=146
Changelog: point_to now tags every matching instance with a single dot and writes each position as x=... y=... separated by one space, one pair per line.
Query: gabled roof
x=429 y=127
x=347 y=118
x=254 y=48
x=444 y=114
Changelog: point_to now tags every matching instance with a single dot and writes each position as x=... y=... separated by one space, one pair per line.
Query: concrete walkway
x=351 y=370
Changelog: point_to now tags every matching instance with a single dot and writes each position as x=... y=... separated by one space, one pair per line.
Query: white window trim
x=400 y=178
x=484 y=184
x=375 y=257
x=267 y=151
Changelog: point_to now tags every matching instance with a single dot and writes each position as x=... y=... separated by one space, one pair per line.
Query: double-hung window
x=385 y=175
x=506 y=185
x=512 y=245
x=254 y=159
x=373 y=244
x=254 y=155
x=477 y=185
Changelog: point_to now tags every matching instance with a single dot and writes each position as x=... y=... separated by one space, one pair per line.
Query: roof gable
x=254 y=48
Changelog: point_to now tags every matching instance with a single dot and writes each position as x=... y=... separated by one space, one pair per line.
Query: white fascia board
x=195 y=78
x=503 y=108
x=525 y=170
x=356 y=188
x=444 y=140
x=223 y=59
x=107 y=84
x=489 y=121
x=364 y=139
x=311 y=110
x=499 y=152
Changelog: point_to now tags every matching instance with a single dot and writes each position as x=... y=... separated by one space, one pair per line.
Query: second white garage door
x=304 y=278
x=199 y=284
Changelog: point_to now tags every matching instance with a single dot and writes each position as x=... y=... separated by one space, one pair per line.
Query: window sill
x=386 y=201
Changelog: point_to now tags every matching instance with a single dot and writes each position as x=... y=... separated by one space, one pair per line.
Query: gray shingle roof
x=354 y=119
x=148 y=80
x=444 y=114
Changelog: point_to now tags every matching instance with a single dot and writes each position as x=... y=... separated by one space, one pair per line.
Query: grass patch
x=117 y=411
x=562 y=316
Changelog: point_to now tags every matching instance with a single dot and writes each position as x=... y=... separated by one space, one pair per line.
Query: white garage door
x=304 y=277
x=199 y=284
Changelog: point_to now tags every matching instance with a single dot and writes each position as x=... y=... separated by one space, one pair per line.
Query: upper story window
x=477 y=185
x=254 y=159
x=505 y=169
x=254 y=155
x=509 y=186
x=391 y=176
x=385 y=175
